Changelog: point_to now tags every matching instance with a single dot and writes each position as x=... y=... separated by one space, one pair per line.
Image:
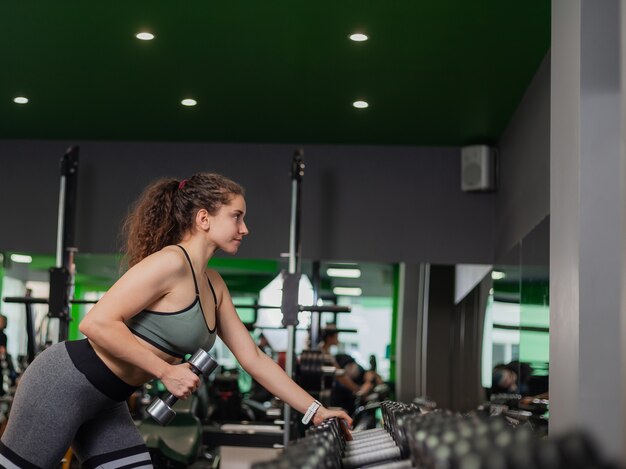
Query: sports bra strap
x=195 y=283
x=212 y=289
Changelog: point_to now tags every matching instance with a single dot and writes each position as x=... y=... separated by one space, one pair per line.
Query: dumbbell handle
x=161 y=409
x=171 y=399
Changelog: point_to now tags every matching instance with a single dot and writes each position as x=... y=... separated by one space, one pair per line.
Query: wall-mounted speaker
x=478 y=168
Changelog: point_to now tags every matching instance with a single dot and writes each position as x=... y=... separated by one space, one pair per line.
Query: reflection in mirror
x=517 y=336
x=535 y=310
x=246 y=278
x=366 y=287
x=501 y=342
x=27 y=274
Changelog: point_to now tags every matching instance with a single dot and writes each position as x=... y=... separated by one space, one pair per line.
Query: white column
x=587 y=242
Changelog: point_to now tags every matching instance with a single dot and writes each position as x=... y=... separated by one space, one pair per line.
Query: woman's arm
x=371 y=380
x=137 y=289
x=262 y=368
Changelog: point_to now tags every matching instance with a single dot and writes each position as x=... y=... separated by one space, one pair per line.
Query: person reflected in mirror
x=356 y=382
x=503 y=380
x=511 y=378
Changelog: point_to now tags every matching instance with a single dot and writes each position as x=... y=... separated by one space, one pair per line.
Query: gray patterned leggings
x=56 y=406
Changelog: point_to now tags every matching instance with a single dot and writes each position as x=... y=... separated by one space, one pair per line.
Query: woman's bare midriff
x=125 y=371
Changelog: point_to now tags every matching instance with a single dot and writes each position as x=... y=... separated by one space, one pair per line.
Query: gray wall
x=360 y=203
x=524 y=194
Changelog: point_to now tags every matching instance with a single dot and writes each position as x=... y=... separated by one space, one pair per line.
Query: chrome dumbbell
x=161 y=409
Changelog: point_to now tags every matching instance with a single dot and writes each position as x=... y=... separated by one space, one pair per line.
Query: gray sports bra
x=178 y=333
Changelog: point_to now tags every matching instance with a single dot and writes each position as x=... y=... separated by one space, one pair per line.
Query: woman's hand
x=180 y=380
x=323 y=413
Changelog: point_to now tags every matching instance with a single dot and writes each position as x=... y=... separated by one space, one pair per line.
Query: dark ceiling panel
x=435 y=72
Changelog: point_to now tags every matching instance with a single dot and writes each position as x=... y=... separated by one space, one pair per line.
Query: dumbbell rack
x=413 y=438
x=325 y=446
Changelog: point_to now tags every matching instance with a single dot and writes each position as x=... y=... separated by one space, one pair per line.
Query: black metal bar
x=67 y=206
x=256 y=307
x=297 y=173
x=289 y=303
x=316 y=320
x=83 y=302
x=521 y=328
x=25 y=300
x=30 y=330
x=43 y=301
x=66 y=243
x=278 y=328
x=59 y=293
x=311 y=308
x=326 y=309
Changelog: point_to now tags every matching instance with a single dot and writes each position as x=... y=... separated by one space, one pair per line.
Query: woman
x=166 y=305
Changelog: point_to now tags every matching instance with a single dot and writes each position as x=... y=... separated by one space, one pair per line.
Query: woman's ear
x=203 y=219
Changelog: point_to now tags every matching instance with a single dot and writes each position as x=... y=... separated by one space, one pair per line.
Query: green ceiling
x=435 y=72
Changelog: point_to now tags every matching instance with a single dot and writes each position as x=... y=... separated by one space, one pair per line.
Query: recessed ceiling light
x=21 y=258
x=360 y=104
x=347 y=291
x=497 y=275
x=343 y=273
x=189 y=102
x=145 y=36
x=20 y=100
x=358 y=37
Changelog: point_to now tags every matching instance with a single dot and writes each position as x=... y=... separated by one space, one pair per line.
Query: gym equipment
x=413 y=436
x=257 y=435
x=161 y=409
x=326 y=446
x=315 y=373
x=291 y=280
x=364 y=416
x=28 y=301
x=227 y=403
x=62 y=275
x=533 y=413
x=179 y=444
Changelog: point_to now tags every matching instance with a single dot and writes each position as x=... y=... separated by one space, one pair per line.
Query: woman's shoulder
x=168 y=260
x=158 y=272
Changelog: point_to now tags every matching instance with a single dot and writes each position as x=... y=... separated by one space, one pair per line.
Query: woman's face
x=227 y=226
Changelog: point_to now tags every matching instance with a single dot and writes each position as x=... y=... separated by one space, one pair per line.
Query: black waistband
x=89 y=363
x=16 y=458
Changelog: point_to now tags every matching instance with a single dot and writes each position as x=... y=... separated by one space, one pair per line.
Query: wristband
x=310 y=412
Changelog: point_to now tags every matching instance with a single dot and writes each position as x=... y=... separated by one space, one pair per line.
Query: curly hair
x=166 y=209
